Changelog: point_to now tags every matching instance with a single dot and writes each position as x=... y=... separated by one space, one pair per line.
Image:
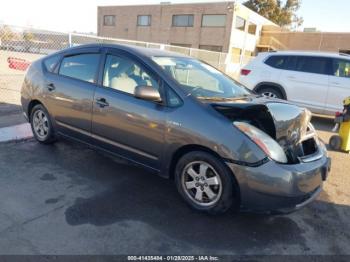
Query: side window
x=341 y=68
x=277 y=61
x=310 y=64
x=83 y=67
x=123 y=74
x=51 y=62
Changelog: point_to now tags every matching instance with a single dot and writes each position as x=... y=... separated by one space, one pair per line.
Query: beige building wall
x=161 y=29
x=318 y=41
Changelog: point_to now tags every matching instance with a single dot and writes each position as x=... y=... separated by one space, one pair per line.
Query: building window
x=248 y=53
x=344 y=52
x=215 y=48
x=143 y=20
x=109 y=20
x=240 y=23
x=214 y=20
x=183 y=20
x=252 y=28
x=236 y=55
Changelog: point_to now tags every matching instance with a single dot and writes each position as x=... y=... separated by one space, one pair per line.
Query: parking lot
x=68 y=199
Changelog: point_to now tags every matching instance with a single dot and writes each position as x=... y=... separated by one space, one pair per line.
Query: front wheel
x=206 y=183
x=41 y=125
x=335 y=142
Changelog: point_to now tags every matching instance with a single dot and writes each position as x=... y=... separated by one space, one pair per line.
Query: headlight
x=264 y=141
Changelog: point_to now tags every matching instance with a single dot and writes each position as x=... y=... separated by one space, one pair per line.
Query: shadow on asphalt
x=150 y=199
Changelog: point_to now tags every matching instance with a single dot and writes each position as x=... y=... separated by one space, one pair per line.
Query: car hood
x=283 y=121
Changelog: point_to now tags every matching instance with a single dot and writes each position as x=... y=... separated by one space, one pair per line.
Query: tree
x=283 y=13
x=28 y=36
x=6 y=34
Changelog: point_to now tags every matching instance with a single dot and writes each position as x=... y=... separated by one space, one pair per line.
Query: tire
x=218 y=180
x=271 y=92
x=41 y=124
x=335 y=142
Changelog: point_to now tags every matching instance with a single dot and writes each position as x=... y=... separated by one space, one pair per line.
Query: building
x=274 y=38
x=221 y=26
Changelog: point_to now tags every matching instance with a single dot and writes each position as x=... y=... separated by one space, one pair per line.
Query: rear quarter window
x=50 y=63
x=277 y=61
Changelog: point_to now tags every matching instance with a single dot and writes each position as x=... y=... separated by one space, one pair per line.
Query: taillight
x=245 y=72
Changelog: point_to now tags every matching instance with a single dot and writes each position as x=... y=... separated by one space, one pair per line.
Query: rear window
x=51 y=63
x=83 y=67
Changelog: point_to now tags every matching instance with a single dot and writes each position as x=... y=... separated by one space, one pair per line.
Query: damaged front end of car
x=282 y=130
x=298 y=164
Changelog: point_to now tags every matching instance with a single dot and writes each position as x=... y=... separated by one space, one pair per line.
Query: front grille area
x=309 y=147
x=306 y=148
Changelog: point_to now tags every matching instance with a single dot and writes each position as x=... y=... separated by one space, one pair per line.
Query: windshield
x=201 y=80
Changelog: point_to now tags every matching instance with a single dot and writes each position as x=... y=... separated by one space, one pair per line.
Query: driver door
x=121 y=123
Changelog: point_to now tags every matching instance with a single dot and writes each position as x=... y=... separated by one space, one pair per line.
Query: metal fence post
x=70 y=39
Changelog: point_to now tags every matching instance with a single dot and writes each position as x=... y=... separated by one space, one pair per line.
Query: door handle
x=291 y=77
x=51 y=87
x=102 y=102
x=335 y=83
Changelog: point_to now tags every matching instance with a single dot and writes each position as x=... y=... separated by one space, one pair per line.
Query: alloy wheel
x=201 y=183
x=40 y=124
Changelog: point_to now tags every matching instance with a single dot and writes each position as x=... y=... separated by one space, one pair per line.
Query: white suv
x=318 y=81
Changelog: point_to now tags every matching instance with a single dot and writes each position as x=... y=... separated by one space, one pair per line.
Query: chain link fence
x=19 y=47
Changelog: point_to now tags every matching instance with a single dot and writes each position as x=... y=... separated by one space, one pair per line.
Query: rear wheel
x=206 y=183
x=271 y=92
x=41 y=125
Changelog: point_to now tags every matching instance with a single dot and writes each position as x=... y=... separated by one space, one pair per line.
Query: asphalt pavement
x=69 y=199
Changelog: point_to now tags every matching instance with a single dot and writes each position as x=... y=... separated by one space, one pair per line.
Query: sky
x=81 y=15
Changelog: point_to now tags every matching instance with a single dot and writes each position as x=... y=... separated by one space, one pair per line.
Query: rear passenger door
x=306 y=81
x=339 y=85
x=70 y=92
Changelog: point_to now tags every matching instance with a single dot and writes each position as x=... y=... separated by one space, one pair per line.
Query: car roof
x=310 y=53
x=142 y=51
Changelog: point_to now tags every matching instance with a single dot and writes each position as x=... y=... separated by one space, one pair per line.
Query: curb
x=15 y=134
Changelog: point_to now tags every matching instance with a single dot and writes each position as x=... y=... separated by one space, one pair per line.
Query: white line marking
x=15 y=133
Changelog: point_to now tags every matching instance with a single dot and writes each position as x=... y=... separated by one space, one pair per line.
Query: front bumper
x=274 y=187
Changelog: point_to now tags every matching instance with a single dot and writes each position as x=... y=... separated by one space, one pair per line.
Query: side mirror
x=147 y=93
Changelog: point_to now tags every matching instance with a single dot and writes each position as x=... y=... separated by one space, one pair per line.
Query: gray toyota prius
x=223 y=146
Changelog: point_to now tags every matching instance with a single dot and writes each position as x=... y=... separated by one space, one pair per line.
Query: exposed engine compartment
x=287 y=124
